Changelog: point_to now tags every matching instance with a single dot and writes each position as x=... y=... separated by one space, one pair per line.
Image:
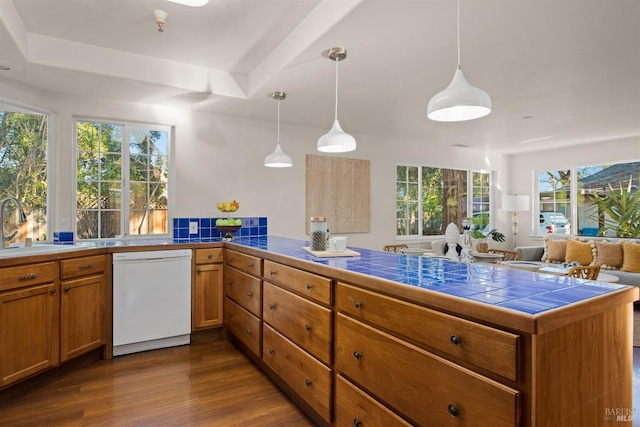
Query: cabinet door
x=28 y=326
x=207 y=296
x=82 y=321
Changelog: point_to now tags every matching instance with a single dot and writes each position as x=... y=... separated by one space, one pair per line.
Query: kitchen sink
x=36 y=249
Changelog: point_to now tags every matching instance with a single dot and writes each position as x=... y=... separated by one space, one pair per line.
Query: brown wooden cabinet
x=29 y=316
x=82 y=305
x=207 y=292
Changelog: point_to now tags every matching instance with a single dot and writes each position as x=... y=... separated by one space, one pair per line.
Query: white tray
x=328 y=254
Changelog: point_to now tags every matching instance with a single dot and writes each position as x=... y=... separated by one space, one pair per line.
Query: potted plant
x=479 y=225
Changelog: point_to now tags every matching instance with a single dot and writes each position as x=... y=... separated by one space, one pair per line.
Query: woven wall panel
x=339 y=189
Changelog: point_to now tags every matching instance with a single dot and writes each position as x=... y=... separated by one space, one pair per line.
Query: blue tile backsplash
x=251 y=227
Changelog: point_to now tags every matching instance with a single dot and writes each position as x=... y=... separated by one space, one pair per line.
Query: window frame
x=469 y=204
x=125 y=181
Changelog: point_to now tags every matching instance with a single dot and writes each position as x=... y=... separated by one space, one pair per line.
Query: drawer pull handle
x=198 y=271
x=85 y=266
x=249 y=264
x=249 y=294
x=53 y=291
x=356 y=422
x=229 y=258
x=453 y=411
x=28 y=276
x=273 y=273
x=357 y=355
x=67 y=288
x=248 y=332
x=272 y=306
x=309 y=286
x=455 y=340
x=210 y=256
x=357 y=304
x=307 y=327
x=270 y=350
x=308 y=383
x=230 y=282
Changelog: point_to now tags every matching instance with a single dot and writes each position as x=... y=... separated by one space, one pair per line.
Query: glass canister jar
x=318 y=233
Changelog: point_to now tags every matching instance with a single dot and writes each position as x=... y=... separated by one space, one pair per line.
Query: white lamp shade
x=336 y=140
x=278 y=159
x=459 y=101
x=515 y=203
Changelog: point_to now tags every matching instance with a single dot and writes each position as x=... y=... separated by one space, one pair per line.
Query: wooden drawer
x=354 y=407
x=309 y=378
x=247 y=263
x=304 y=322
x=311 y=285
x=209 y=255
x=27 y=275
x=244 y=325
x=402 y=374
x=482 y=346
x=243 y=289
x=84 y=266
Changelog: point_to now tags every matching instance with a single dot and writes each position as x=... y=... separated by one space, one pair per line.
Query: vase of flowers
x=480 y=232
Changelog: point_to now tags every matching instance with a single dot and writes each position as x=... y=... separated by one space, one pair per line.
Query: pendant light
x=459 y=101
x=278 y=159
x=336 y=140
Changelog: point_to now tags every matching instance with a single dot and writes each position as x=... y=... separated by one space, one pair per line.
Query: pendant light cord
x=337 y=61
x=458 y=29
x=278 y=122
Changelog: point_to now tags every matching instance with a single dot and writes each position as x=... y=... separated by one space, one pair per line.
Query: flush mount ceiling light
x=161 y=18
x=192 y=3
x=459 y=101
x=278 y=159
x=336 y=140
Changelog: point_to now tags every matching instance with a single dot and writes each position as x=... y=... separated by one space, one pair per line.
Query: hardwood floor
x=209 y=383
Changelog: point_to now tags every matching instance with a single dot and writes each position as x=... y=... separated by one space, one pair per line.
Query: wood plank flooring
x=209 y=383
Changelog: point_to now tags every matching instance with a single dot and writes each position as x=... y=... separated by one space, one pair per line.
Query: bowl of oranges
x=228 y=225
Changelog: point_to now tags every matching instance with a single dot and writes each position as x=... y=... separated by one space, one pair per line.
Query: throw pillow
x=554 y=250
x=631 y=257
x=609 y=255
x=582 y=252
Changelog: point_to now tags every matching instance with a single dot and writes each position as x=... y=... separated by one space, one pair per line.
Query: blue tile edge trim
x=251 y=226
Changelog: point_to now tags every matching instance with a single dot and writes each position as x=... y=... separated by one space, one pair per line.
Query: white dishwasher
x=151 y=300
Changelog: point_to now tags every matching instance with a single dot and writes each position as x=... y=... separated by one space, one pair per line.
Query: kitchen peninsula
x=391 y=339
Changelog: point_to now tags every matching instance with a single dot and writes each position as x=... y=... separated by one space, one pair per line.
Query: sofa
x=620 y=258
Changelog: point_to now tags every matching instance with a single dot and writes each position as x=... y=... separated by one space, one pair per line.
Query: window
x=122 y=180
x=23 y=170
x=601 y=200
x=428 y=198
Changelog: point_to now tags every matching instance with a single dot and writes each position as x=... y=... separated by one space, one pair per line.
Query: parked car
x=554 y=222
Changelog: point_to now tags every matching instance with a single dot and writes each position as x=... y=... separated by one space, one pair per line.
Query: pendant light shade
x=336 y=140
x=278 y=159
x=459 y=101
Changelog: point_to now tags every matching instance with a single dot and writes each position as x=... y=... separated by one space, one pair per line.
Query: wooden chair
x=507 y=255
x=589 y=272
x=394 y=248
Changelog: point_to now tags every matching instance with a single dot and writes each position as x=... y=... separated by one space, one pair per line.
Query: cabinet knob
x=308 y=383
x=198 y=271
x=229 y=258
x=210 y=256
x=53 y=291
x=272 y=306
x=307 y=327
x=248 y=332
x=67 y=288
x=357 y=355
x=230 y=282
x=273 y=273
x=357 y=304
x=270 y=350
x=249 y=294
x=356 y=422
x=309 y=286
x=249 y=264
x=453 y=411
x=455 y=340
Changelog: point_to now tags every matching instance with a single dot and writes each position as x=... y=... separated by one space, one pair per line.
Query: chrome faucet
x=21 y=215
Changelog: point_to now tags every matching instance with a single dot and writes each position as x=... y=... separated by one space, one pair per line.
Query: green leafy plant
x=478 y=224
x=619 y=210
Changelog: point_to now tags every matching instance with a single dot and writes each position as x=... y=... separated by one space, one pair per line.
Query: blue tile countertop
x=522 y=291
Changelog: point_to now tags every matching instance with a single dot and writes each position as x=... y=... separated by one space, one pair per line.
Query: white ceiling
x=560 y=72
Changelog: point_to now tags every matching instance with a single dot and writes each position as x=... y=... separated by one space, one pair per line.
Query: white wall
x=522 y=167
x=220 y=158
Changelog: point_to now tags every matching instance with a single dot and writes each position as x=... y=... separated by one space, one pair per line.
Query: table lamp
x=515 y=203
